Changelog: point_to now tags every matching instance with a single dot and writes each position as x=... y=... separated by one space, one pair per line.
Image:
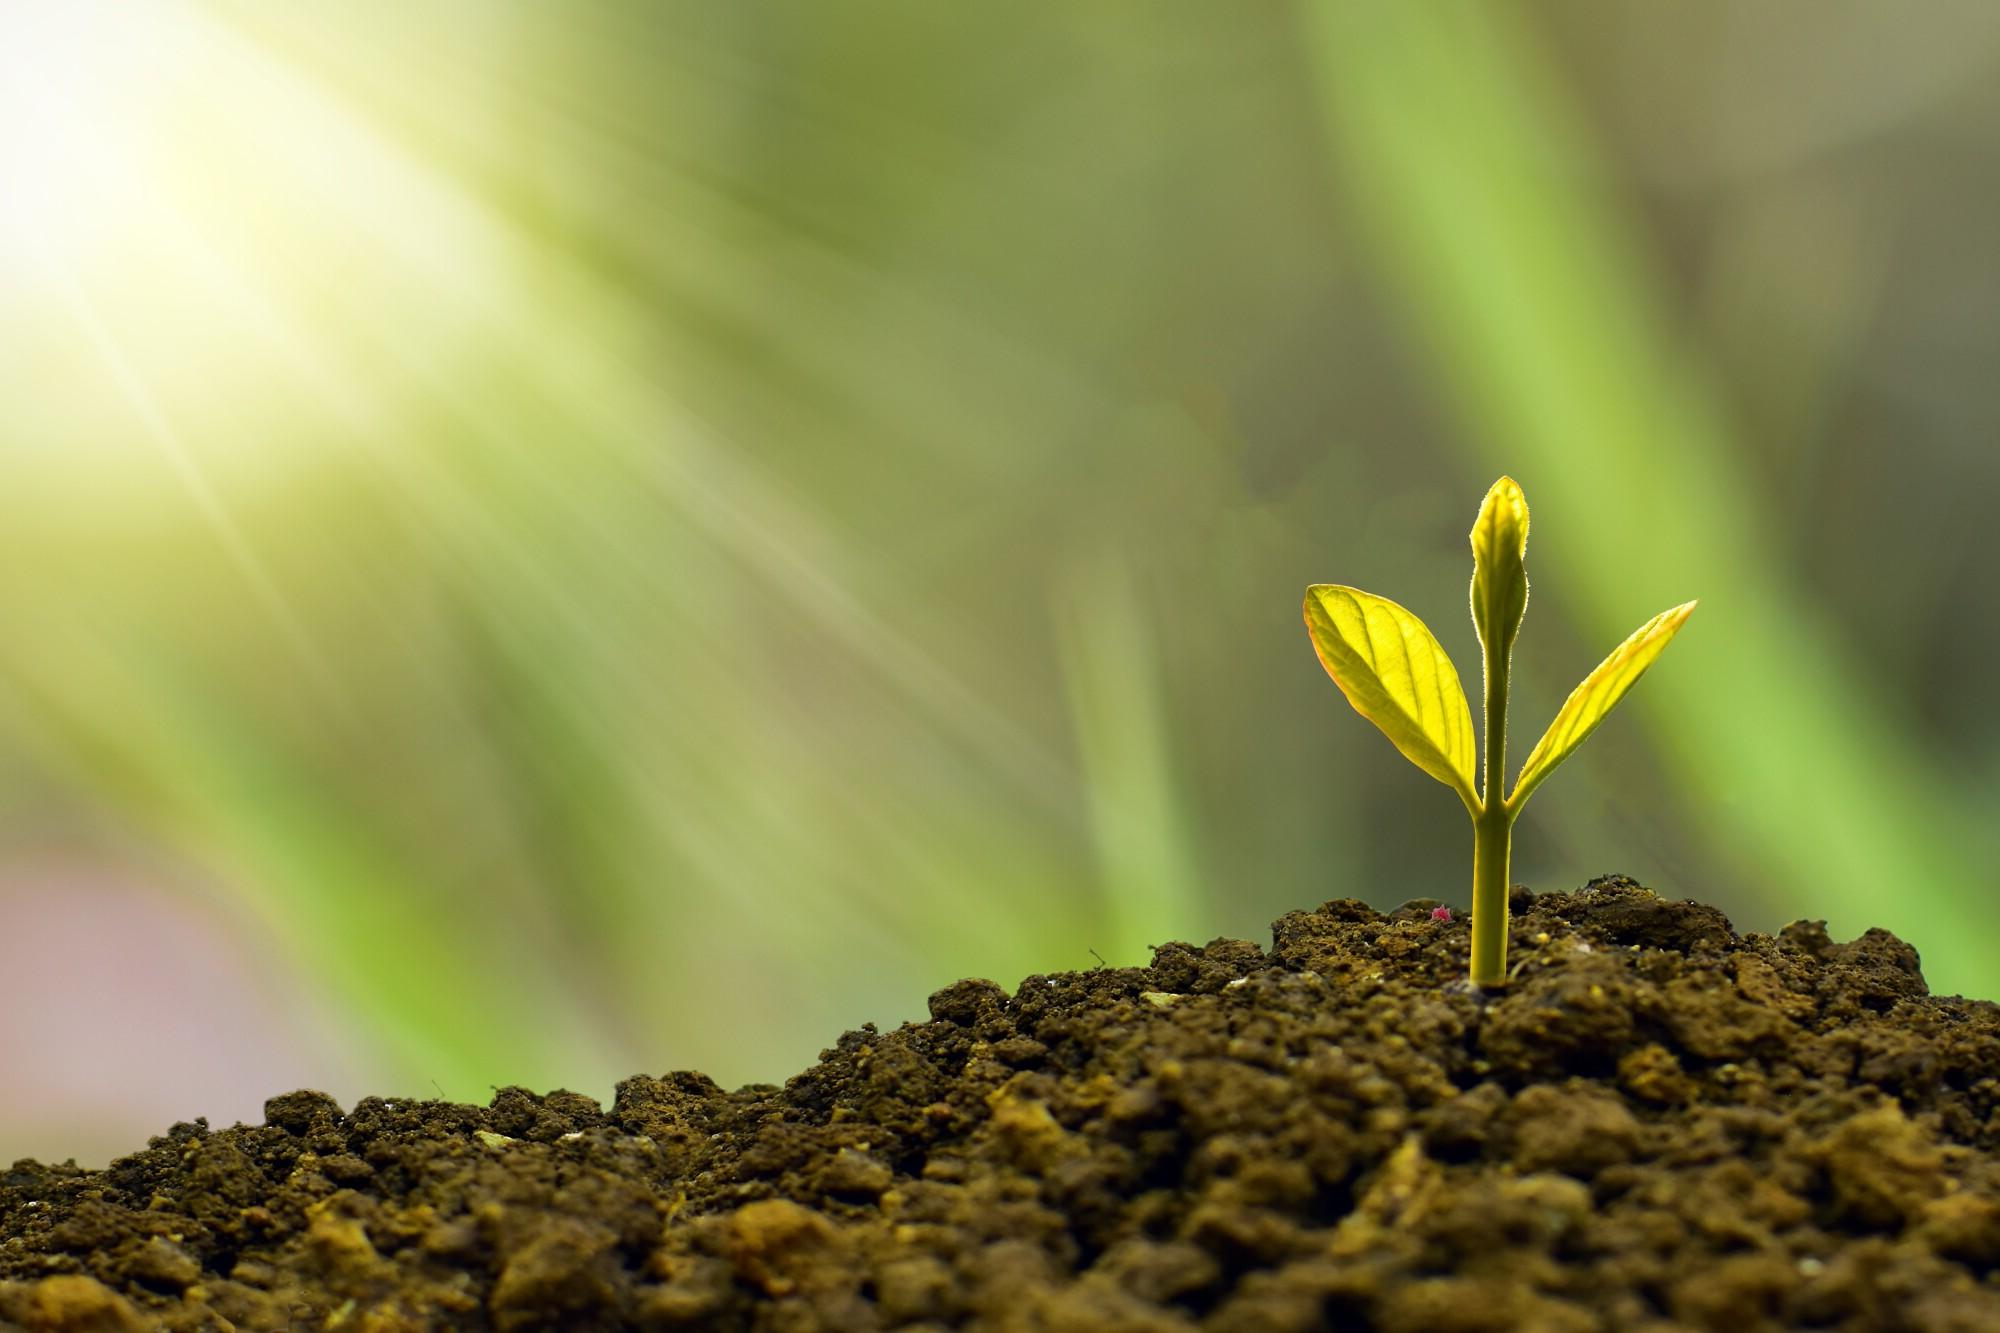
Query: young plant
x=1392 y=669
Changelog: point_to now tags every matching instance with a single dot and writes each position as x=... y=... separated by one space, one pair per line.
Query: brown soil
x=1659 y=1125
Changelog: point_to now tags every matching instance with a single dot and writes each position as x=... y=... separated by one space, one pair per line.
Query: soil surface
x=1658 y=1125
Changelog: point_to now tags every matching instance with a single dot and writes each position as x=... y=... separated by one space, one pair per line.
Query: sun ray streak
x=160 y=431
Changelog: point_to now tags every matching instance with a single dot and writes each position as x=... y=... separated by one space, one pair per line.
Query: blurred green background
x=542 y=543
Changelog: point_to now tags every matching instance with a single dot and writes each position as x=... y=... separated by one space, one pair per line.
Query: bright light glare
x=195 y=231
x=69 y=71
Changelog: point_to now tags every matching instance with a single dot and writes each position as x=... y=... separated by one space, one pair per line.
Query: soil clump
x=1659 y=1125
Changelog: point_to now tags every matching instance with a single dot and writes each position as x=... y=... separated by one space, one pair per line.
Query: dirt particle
x=337 y=1235
x=1575 y=1130
x=1882 y=1169
x=1652 y=1074
x=1965 y=1228
x=562 y=1270
x=1033 y=1138
x=68 y=1303
x=964 y=1002
x=162 y=1264
x=912 y=1287
x=856 y=1175
x=774 y=1243
x=301 y=1112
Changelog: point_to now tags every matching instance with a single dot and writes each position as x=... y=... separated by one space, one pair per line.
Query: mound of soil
x=1658 y=1125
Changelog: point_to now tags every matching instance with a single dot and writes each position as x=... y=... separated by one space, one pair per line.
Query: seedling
x=1392 y=669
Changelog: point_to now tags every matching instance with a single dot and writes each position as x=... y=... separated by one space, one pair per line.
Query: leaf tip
x=1509 y=492
x=1503 y=515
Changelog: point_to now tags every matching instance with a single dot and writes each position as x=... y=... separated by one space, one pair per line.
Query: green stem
x=1492 y=833
x=1493 y=828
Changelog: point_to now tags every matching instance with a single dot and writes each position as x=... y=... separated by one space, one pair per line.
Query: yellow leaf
x=1499 y=569
x=1598 y=695
x=1392 y=669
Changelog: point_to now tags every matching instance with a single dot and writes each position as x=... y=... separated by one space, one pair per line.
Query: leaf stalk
x=1493 y=823
x=1492 y=838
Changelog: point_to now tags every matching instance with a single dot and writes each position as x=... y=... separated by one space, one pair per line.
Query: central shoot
x=1395 y=673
